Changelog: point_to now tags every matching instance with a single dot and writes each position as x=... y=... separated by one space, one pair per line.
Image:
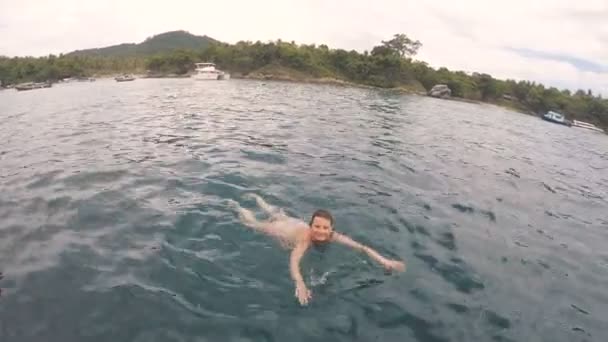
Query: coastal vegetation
x=391 y=64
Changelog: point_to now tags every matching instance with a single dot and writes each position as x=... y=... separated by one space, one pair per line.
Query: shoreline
x=343 y=83
x=307 y=80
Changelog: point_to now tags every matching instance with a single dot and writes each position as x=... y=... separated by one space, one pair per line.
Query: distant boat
x=124 y=78
x=32 y=85
x=208 y=71
x=587 y=125
x=78 y=79
x=558 y=118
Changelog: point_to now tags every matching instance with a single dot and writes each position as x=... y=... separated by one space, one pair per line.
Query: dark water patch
x=581 y=330
x=428 y=259
x=549 y=188
x=9 y=230
x=392 y=227
x=344 y=325
x=458 y=308
x=422 y=230
x=270 y=158
x=43 y=180
x=543 y=264
x=579 y=309
x=550 y=214
x=140 y=160
x=497 y=320
x=417 y=246
x=101 y=210
x=463 y=208
x=167 y=138
x=457 y=260
x=231 y=184
x=384 y=108
x=457 y=275
x=56 y=205
x=389 y=315
x=489 y=214
x=363 y=284
x=327 y=174
x=84 y=179
x=255 y=141
x=513 y=172
x=542 y=232
x=420 y=295
x=447 y=240
x=373 y=163
x=256 y=334
x=411 y=227
x=373 y=191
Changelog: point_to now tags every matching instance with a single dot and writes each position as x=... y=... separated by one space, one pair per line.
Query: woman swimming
x=298 y=236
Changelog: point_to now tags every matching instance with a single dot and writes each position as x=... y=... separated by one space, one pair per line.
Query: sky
x=561 y=43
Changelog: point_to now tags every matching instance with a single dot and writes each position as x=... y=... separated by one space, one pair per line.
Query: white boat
x=587 y=125
x=33 y=85
x=557 y=118
x=208 y=71
x=124 y=78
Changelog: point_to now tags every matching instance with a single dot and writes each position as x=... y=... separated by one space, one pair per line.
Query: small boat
x=558 y=118
x=208 y=71
x=586 y=125
x=124 y=78
x=32 y=85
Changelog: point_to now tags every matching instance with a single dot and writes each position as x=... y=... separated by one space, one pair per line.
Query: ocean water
x=114 y=223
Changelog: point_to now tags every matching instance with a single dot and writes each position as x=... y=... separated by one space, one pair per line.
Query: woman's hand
x=303 y=293
x=393 y=265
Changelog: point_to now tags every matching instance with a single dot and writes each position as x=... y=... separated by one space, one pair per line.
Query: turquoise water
x=114 y=224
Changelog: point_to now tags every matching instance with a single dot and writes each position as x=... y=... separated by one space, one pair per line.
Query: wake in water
x=299 y=237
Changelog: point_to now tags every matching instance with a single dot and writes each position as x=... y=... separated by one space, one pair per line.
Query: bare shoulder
x=302 y=234
x=338 y=237
x=346 y=240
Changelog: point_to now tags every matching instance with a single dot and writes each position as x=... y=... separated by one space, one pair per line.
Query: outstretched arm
x=302 y=292
x=387 y=263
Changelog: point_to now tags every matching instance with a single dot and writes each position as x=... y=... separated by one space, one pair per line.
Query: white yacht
x=207 y=71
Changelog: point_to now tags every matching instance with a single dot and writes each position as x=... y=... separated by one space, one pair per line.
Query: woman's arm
x=302 y=292
x=387 y=263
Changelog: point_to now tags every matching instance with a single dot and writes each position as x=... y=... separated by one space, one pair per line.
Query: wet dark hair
x=322 y=213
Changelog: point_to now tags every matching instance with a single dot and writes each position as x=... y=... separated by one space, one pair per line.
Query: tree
x=487 y=86
x=382 y=50
x=403 y=45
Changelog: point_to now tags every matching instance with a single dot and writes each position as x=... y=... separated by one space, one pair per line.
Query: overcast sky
x=558 y=42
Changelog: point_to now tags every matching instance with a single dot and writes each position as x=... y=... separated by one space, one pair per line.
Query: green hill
x=164 y=42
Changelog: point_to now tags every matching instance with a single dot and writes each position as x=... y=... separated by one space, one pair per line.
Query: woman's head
x=321 y=226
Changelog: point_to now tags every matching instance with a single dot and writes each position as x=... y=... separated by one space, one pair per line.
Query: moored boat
x=587 y=125
x=557 y=118
x=208 y=71
x=32 y=85
x=124 y=78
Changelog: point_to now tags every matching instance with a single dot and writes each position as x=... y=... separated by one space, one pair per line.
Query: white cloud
x=472 y=35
